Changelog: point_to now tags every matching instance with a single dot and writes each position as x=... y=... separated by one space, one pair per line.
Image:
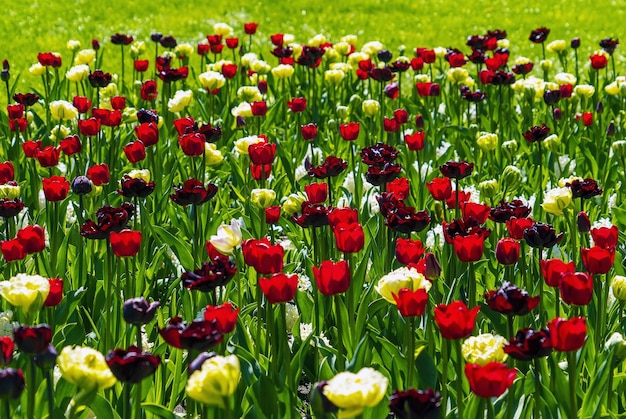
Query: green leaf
x=101 y=408
x=158 y=410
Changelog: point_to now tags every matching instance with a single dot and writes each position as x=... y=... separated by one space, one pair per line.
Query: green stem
x=538 y=389
x=49 y=393
x=6 y=407
x=341 y=352
x=138 y=412
x=228 y=414
x=126 y=400
x=259 y=301
x=32 y=389
x=410 y=354
x=571 y=370
x=459 y=380
x=472 y=285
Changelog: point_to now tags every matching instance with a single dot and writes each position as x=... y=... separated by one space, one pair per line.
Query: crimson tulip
x=32 y=238
x=568 y=335
x=263 y=256
x=135 y=151
x=126 y=243
x=56 y=292
x=415 y=141
x=469 y=248
x=455 y=320
x=7 y=172
x=279 y=288
x=440 y=188
x=55 y=188
x=262 y=153
x=225 y=315
x=349 y=131
x=332 y=277
x=48 y=156
x=6 y=350
x=598 y=260
x=490 y=380
x=349 y=238
x=553 y=269
x=147 y=133
x=316 y=193
x=411 y=303
x=605 y=237
x=576 y=288
x=408 y=250
x=99 y=174
x=12 y=250
x=507 y=251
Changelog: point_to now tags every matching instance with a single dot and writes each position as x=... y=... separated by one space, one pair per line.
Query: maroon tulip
x=379 y=155
x=490 y=380
x=279 y=288
x=413 y=403
x=32 y=340
x=10 y=207
x=576 y=288
x=313 y=215
x=331 y=167
x=211 y=275
x=585 y=189
x=537 y=133
x=568 y=335
x=139 y=311
x=456 y=170
x=11 y=383
x=135 y=187
x=539 y=35
x=511 y=300
x=455 y=320
x=132 y=365
x=411 y=303
x=148 y=90
x=199 y=335
x=193 y=192
x=529 y=344
x=504 y=211
x=126 y=243
x=332 y=277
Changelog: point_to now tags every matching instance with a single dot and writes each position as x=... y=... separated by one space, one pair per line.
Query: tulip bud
x=4 y=75
x=610 y=130
x=433 y=267
x=557 y=114
x=438 y=212
x=370 y=107
x=618 y=345
x=488 y=188
x=47 y=359
x=293 y=204
x=575 y=43
x=355 y=100
x=583 y=223
x=552 y=143
x=419 y=122
x=619 y=147
x=511 y=176
x=332 y=124
x=384 y=55
x=545 y=65
x=320 y=404
x=618 y=286
x=622 y=90
x=599 y=107
x=81 y=185
x=262 y=198
x=509 y=149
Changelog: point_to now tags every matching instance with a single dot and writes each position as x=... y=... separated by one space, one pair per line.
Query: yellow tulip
x=25 y=291
x=352 y=393
x=216 y=379
x=86 y=368
x=403 y=277
x=483 y=349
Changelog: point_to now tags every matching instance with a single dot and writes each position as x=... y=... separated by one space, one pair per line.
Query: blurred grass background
x=29 y=27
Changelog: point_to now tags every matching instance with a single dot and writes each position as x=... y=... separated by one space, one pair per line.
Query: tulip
x=332 y=277
x=215 y=380
x=490 y=380
x=86 y=368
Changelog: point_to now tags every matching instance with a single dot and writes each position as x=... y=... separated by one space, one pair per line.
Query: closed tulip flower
x=216 y=379
x=403 y=277
x=490 y=380
x=576 y=288
x=32 y=238
x=507 y=251
x=86 y=368
x=262 y=198
x=228 y=237
x=62 y=110
x=25 y=291
x=411 y=303
x=349 y=238
x=352 y=393
x=483 y=349
x=279 y=288
x=332 y=277
x=469 y=248
x=598 y=260
x=126 y=243
x=455 y=320
x=568 y=335
x=557 y=200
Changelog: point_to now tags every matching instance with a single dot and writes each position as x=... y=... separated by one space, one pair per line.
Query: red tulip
x=597 y=260
x=148 y=90
x=7 y=173
x=147 y=133
x=568 y=335
x=440 y=188
x=192 y=144
x=309 y=131
x=411 y=303
x=6 y=350
x=408 y=250
x=258 y=108
x=507 y=251
x=297 y=104
x=55 y=188
x=99 y=174
x=135 y=151
x=598 y=61
x=605 y=237
x=263 y=256
x=260 y=171
x=316 y=193
x=262 y=153
x=225 y=315
x=82 y=104
x=349 y=131
x=70 y=145
x=141 y=65
x=18 y=124
x=15 y=111
x=332 y=277
x=415 y=141
x=576 y=288
x=400 y=188
x=279 y=288
x=455 y=320
x=250 y=28
x=229 y=70
x=349 y=238
x=272 y=214
x=56 y=292
x=118 y=102
x=342 y=215
x=126 y=243
x=491 y=380
x=401 y=116
x=516 y=227
x=469 y=248
x=48 y=156
x=32 y=238
x=12 y=250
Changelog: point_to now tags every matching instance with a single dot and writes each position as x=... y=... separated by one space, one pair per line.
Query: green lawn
x=30 y=27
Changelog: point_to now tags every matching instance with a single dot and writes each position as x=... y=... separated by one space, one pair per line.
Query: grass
x=30 y=27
